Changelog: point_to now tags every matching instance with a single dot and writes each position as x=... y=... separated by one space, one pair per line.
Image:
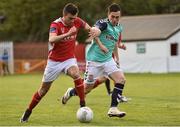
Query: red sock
x=79 y=86
x=35 y=100
x=97 y=83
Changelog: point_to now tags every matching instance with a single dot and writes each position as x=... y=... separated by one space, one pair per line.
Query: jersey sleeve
x=101 y=24
x=53 y=28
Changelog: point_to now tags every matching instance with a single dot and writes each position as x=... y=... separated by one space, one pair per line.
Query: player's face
x=114 y=17
x=69 y=19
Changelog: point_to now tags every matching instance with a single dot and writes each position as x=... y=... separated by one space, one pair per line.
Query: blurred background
x=151 y=33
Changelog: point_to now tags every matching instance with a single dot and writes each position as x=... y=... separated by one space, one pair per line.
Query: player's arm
x=93 y=31
x=120 y=44
x=54 y=37
x=101 y=46
x=101 y=25
x=116 y=54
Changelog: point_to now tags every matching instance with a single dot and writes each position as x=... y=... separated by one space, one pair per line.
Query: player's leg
x=51 y=72
x=94 y=76
x=73 y=72
x=71 y=69
x=108 y=87
x=98 y=81
x=35 y=100
x=3 y=68
x=7 y=68
x=89 y=84
x=119 y=79
x=72 y=91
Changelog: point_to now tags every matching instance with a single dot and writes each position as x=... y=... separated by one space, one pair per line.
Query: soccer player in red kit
x=61 y=58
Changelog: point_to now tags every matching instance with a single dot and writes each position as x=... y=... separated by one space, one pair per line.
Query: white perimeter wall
x=157 y=58
x=153 y=60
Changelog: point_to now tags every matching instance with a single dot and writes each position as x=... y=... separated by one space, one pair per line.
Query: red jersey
x=64 y=49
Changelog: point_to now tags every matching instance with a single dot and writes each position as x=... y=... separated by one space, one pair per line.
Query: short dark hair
x=114 y=8
x=70 y=8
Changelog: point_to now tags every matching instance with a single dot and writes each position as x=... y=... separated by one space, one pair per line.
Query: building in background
x=153 y=43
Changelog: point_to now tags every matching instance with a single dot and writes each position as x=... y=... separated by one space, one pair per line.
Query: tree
x=29 y=20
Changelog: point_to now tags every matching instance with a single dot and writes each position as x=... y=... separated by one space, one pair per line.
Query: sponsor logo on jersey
x=109 y=37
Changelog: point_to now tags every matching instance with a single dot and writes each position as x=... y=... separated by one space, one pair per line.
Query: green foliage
x=29 y=20
x=154 y=102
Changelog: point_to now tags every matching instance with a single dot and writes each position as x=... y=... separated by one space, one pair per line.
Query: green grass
x=155 y=101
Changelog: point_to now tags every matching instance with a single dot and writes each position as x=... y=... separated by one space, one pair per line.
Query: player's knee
x=121 y=80
x=75 y=75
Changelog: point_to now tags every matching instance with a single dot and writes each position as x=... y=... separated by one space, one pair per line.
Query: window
x=141 y=48
x=174 y=49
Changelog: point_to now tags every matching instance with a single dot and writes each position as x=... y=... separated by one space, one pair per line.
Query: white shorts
x=54 y=69
x=96 y=69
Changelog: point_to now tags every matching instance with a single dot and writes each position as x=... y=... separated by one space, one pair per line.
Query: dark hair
x=114 y=8
x=70 y=8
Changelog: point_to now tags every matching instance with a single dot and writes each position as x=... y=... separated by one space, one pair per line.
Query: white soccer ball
x=84 y=114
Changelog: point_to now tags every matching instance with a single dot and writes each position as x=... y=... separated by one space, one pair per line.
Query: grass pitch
x=155 y=101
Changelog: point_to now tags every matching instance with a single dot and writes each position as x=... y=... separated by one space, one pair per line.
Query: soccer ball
x=84 y=114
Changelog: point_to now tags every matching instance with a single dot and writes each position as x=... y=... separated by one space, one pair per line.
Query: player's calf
x=79 y=86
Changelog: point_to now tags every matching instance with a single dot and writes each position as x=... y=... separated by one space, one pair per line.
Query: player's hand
x=72 y=31
x=122 y=46
x=104 y=49
x=94 y=32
